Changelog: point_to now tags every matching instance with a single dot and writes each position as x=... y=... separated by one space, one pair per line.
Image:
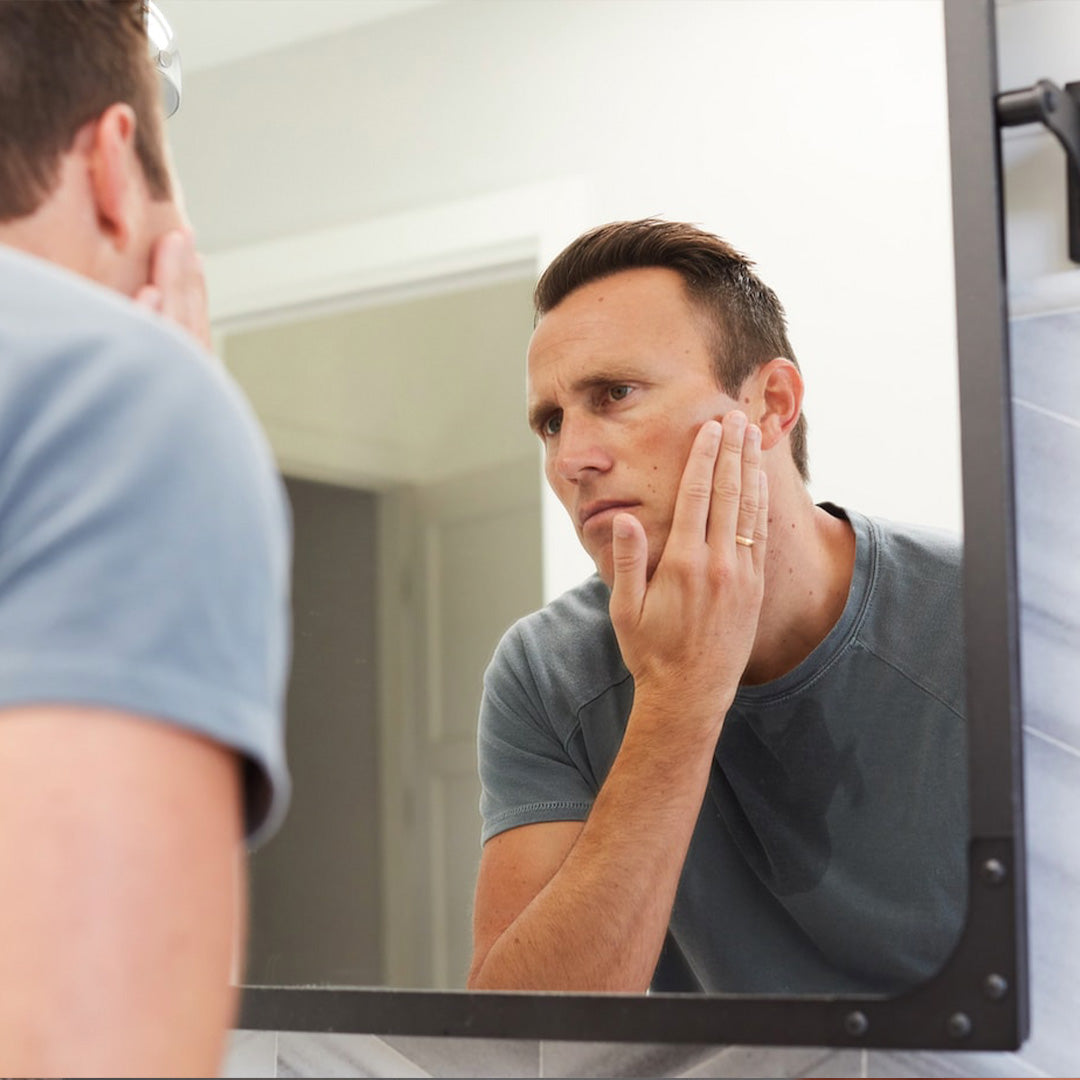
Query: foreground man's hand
x=177 y=285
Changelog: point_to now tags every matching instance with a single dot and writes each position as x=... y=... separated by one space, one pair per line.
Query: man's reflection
x=734 y=759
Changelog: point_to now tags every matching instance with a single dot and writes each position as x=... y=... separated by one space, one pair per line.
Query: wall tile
x=620 y=1059
x=251 y=1053
x=1044 y=368
x=778 y=1061
x=899 y=1063
x=323 y=1055
x=469 y=1057
x=1050 y=674
x=1052 y=801
x=840 y=1063
x=564 y=1059
x=1047 y=461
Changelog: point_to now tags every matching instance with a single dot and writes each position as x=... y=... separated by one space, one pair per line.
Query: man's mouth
x=601 y=510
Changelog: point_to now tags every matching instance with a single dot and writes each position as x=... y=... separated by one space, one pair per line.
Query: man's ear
x=115 y=174
x=779 y=387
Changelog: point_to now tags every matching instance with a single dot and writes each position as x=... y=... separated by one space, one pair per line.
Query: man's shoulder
x=915 y=612
x=146 y=555
x=36 y=292
x=917 y=557
x=566 y=651
x=83 y=363
x=56 y=321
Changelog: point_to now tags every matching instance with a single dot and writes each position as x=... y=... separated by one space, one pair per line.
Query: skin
x=120 y=840
x=623 y=396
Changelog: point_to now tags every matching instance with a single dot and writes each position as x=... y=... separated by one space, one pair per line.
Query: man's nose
x=580 y=449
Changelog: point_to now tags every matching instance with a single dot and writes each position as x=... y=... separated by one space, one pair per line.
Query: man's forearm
x=123 y=835
x=599 y=923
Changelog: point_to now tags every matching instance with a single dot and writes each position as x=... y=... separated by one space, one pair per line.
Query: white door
x=463 y=562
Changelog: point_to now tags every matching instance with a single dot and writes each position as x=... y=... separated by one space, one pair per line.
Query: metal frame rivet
x=959 y=1025
x=856 y=1024
x=995 y=986
x=994 y=872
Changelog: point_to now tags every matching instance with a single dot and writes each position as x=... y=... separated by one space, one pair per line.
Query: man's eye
x=551 y=425
x=617 y=393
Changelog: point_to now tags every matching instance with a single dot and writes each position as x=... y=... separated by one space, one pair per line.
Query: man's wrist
x=679 y=715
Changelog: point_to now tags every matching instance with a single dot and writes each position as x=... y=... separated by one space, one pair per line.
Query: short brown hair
x=63 y=63
x=747 y=318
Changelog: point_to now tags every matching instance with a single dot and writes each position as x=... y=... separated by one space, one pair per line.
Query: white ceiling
x=212 y=32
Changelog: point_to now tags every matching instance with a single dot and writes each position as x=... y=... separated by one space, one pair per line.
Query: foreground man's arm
x=571 y=906
x=124 y=906
x=144 y=635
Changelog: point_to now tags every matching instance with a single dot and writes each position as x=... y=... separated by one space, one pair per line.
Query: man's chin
x=605 y=567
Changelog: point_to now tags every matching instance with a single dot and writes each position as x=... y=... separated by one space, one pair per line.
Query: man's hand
x=687 y=633
x=565 y=906
x=177 y=285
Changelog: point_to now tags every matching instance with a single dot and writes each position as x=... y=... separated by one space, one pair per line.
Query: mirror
x=375 y=204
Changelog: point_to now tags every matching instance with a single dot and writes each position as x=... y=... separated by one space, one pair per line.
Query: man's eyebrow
x=595 y=380
x=538 y=413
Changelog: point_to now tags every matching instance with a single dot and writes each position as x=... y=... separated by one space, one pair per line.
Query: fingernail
x=753 y=433
x=622 y=528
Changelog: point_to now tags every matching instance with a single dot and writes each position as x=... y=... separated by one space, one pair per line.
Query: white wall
x=810 y=133
x=410 y=392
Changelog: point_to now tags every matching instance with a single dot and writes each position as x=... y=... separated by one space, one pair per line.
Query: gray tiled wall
x=1046 y=360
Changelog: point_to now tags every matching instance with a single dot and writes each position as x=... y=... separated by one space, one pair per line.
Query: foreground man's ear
x=115 y=174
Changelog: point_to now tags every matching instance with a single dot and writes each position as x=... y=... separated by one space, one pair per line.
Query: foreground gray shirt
x=829 y=855
x=144 y=533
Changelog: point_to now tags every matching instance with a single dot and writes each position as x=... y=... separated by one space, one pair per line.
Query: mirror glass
x=811 y=134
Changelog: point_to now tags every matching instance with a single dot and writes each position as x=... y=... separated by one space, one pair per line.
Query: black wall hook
x=1059 y=110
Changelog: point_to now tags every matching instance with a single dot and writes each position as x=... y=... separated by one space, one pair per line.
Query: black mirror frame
x=979 y=999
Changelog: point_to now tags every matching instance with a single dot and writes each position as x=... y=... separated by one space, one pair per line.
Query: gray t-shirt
x=829 y=855
x=144 y=533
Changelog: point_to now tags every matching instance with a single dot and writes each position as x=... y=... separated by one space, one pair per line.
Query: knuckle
x=682 y=565
x=719 y=572
x=698 y=490
x=727 y=489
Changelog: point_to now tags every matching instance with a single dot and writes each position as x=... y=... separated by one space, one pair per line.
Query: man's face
x=620 y=378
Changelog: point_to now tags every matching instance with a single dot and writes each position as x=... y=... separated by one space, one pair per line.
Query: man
x=733 y=761
x=143 y=579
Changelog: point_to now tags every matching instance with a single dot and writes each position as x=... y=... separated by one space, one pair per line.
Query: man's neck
x=808 y=569
x=51 y=232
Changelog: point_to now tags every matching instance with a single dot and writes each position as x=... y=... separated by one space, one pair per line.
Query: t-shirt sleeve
x=145 y=550
x=527 y=770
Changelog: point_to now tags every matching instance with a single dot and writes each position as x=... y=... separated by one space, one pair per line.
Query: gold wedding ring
x=744 y=540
